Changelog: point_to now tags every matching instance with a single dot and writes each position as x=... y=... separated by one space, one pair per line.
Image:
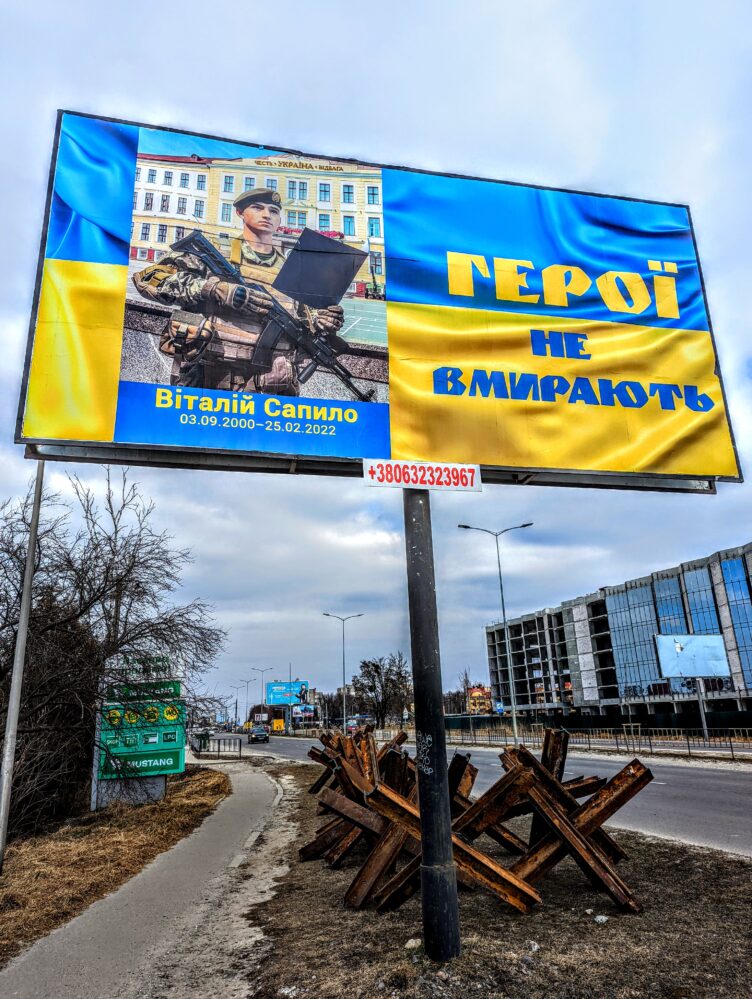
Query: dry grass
x=48 y=879
x=691 y=942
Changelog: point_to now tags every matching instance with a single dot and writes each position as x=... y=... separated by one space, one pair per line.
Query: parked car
x=258 y=734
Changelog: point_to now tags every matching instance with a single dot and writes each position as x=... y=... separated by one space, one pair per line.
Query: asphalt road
x=704 y=805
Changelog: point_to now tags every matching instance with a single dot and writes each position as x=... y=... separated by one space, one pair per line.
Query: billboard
x=295 y=692
x=214 y=303
x=692 y=655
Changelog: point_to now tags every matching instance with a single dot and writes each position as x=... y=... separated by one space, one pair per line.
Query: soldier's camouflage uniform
x=212 y=345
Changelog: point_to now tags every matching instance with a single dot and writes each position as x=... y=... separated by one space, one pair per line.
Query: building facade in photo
x=176 y=194
x=597 y=654
x=479 y=700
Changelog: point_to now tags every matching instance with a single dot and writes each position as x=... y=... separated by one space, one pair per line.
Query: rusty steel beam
x=351 y=811
x=324 y=840
x=587 y=819
x=553 y=759
x=393 y=743
x=566 y=800
x=337 y=853
x=583 y=850
x=472 y=862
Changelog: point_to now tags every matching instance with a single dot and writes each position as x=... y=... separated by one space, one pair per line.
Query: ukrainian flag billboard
x=205 y=297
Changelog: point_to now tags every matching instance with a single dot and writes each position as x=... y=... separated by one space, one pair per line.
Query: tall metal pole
x=441 y=922
x=510 y=675
x=344 y=673
x=260 y=671
x=496 y=535
x=344 y=682
x=236 y=687
x=19 y=659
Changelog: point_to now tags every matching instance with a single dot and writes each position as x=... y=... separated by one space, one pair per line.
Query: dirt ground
x=49 y=879
x=691 y=942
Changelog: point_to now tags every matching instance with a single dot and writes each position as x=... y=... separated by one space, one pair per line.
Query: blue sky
x=641 y=99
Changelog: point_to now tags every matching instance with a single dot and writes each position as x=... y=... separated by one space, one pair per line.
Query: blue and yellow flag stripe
x=546 y=329
x=72 y=387
x=524 y=410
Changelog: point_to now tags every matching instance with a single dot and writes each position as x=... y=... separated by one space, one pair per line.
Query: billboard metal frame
x=219 y=460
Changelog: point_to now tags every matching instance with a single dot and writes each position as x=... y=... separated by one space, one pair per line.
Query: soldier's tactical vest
x=227 y=336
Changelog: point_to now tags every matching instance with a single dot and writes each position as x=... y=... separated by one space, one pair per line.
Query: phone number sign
x=422 y=475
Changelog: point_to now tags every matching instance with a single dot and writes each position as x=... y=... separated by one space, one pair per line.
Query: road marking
x=661 y=782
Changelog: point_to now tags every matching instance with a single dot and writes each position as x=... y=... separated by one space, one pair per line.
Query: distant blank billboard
x=692 y=655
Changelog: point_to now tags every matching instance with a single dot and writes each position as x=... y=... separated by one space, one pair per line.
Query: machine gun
x=322 y=351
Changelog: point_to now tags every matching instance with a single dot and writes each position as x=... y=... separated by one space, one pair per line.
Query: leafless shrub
x=102 y=601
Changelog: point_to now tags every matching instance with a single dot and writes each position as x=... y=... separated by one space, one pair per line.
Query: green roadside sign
x=143 y=690
x=142 y=738
x=143 y=764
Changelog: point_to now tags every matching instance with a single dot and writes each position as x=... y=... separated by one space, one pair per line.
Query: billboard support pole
x=19 y=658
x=441 y=924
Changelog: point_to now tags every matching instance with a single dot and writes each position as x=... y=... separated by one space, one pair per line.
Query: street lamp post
x=236 y=688
x=496 y=535
x=266 y=669
x=245 y=716
x=344 y=679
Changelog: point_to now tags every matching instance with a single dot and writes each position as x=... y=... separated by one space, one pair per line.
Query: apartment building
x=597 y=654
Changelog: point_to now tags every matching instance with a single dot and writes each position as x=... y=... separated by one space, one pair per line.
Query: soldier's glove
x=330 y=320
x=239 y=298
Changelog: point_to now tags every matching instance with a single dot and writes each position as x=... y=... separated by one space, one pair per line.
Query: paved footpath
x=106 y=946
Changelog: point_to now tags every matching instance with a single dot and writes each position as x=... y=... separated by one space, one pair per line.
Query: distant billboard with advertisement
x=295 y=692
x=692 y=655
x=216 y=303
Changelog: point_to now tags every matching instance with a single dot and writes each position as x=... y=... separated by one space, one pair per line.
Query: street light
x=344 y=681
x=236 y=688
x=496 y=535
x=266 y=669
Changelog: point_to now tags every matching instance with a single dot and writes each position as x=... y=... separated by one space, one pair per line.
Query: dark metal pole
x=344 y=683
x=441 y=921
x=510 y=667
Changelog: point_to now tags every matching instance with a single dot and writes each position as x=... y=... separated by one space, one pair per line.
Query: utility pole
x=236 y=688
x=19 y=659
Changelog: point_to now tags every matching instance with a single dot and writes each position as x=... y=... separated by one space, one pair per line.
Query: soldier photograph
x=213 y=333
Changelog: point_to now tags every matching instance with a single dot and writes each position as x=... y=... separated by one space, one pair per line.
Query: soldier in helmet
x=212 y=341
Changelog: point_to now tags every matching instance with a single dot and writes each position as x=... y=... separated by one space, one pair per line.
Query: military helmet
x=263 y=195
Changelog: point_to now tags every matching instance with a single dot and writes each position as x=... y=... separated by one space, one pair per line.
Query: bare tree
x=384 y=686
x=330 y=706
x=102 y=612
x=454 y=702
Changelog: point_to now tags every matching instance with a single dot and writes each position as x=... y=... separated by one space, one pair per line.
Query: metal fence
x=217 y=749
x=733 y=744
